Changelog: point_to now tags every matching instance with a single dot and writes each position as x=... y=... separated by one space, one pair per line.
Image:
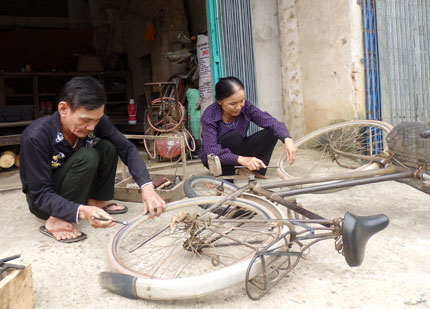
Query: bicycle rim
x=318 y=151
x=208 y=186
x=167 y=267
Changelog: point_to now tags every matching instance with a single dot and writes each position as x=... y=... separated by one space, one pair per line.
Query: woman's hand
x=290 y=149
x=252 y=163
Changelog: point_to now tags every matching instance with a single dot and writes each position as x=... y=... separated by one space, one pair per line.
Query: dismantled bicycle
x=207 y=243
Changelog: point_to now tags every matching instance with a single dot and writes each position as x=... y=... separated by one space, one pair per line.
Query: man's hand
x=152 y=202
x=290 y=149
x=252 y=163
x=86 y=212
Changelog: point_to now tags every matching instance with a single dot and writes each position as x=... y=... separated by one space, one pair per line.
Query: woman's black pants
x=259 y=145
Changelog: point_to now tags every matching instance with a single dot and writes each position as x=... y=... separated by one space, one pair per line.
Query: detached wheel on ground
x=188 y=251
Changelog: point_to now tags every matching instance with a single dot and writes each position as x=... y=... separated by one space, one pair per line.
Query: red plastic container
x=132 y=112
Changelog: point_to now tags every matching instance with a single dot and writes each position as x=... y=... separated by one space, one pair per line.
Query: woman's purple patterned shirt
x=213 y=128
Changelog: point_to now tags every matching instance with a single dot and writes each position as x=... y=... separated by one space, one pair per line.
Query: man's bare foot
x=102 y=204
x=61 y=229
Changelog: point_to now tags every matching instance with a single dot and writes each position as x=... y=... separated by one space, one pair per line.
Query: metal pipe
x=350 y=175
x=381 y=161
x=347 y=183
x=289 y=203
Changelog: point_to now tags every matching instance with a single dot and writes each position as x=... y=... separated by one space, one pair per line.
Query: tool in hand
x=113 y=220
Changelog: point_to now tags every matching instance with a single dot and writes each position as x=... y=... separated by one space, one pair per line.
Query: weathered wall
x=292 y=90
x=267 y=56
x=321 y=48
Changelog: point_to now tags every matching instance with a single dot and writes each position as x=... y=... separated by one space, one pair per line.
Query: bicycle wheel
x=207 y=186
x=175 y=258
x=325 y=151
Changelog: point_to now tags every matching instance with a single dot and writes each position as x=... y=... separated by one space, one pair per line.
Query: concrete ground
x=395 y=272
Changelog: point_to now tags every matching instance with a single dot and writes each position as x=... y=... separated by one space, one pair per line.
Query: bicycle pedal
x=214 y=165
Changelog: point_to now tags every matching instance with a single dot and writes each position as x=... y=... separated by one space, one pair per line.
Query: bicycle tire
x=191 y=184
x=164 y=285
x=315 y=159
x=211 y=184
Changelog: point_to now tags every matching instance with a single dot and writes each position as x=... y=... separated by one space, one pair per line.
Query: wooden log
x=17 y=160
x=7 y=159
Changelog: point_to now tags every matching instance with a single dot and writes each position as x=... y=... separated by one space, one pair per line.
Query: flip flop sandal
x=114 y=212
x=45 y=231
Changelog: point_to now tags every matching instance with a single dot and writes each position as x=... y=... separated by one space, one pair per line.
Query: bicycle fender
x=121 y=284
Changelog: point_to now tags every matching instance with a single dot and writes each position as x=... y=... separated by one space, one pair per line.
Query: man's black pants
x=259 y=145
x=88 y=173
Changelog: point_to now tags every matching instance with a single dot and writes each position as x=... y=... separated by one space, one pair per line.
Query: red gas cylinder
x=168 y=149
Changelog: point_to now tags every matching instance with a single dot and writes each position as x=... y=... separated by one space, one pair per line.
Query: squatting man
x=68 y=163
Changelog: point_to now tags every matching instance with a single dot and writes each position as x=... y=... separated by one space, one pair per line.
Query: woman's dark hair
x=227 y=86
x=83 y=91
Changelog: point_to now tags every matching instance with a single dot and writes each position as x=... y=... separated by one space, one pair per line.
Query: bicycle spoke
x=343 y=147
x=193 y=246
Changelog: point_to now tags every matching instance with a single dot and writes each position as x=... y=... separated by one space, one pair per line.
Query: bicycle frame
x=288 y=252
x=286 y=258
x=269 y=260
x=314 y=229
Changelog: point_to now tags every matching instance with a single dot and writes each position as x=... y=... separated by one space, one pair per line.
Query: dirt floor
x=395 y=272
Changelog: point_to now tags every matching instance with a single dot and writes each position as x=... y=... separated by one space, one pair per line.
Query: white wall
x=267 y=56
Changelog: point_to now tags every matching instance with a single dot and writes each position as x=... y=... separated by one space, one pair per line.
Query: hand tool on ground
x=5 y=266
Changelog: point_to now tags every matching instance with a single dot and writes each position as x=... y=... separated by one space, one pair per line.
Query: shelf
x=21 y=105
x=117 y=102
x=116 y=92
x=10 y=140
x=17 y=74
x=19 y=95
x=125 y=126
x=29 y=89
x=68 y=74
x=15 y=124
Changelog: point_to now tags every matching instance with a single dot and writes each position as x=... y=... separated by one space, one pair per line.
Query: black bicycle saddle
x=356 y=232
